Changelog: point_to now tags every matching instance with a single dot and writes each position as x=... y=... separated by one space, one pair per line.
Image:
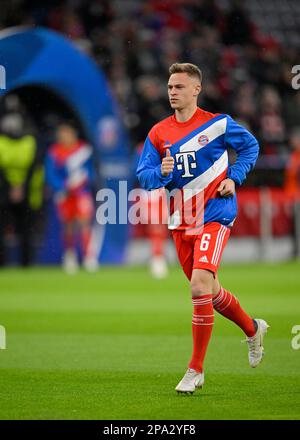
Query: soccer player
x=154 y=208
x=69 y=172
x=187 y=154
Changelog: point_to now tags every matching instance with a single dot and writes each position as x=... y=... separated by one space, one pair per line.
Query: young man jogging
x=187 y=153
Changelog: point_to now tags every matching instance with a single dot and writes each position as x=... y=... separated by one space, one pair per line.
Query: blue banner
x=42 y=58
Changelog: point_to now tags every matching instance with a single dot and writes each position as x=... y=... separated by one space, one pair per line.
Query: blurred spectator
x=272 y=126
x=154 y=215
x=292 y=183
x=245 y=105
x=292 y=175
x=21 y=184
x=245 y=65
x=151 y=103
x=155 y=207
x=238 y=27
x=69 y=173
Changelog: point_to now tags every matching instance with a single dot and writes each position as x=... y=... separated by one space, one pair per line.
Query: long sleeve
x=149 y=168
x=246 y=147
x=52 y=177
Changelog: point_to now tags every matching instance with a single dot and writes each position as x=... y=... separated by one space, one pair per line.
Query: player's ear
x=198 y=89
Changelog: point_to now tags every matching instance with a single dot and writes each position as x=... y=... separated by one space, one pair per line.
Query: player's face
x=66 y=135
x=183 y=90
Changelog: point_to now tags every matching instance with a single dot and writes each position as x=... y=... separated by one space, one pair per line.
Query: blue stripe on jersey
x=205 y=158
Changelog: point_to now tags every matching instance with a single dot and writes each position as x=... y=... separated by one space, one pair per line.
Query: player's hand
x=16 y=193
x=60 y=196
x=226 y=188
x=167 y=164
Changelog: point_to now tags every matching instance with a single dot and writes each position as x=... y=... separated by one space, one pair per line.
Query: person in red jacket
x=292 y=173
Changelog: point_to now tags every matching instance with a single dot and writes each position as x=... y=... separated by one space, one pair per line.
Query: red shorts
x=202 y=251
x=76 y=207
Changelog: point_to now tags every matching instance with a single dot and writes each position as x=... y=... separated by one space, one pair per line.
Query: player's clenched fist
x=226 y=188
x=167 y=164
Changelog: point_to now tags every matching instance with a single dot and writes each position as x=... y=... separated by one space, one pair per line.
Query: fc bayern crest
x=203 y=139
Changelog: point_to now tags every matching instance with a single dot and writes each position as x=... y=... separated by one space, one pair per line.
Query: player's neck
x=69 y=145
x=183 y=115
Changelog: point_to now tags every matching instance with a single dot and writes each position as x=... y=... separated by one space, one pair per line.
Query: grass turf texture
x=113 y=345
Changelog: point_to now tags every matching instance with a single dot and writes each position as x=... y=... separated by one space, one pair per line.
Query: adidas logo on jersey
x=203 y=259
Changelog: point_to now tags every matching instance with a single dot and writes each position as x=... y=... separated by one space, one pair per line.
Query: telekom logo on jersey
x=186 y=160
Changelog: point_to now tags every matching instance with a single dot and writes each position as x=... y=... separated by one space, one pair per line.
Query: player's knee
x=201 y=283
x=198 y=289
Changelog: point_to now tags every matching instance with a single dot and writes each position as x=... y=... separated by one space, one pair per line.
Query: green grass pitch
x=113 y=345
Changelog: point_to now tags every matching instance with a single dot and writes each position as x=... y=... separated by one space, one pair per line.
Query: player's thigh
x=65 y=210
x=209 y=246
x=84 y=207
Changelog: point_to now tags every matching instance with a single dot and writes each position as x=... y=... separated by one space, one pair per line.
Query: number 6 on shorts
x=205 y=240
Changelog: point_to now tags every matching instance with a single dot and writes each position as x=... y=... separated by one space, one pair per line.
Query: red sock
x=228 y=305
x=202 y=325
x=69 y=241
x=157 y=247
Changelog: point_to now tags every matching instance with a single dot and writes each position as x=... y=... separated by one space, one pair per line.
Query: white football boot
x=70 y=262
x=190 y=382
x=255 y=343
x=90 y=264
x=158 y=267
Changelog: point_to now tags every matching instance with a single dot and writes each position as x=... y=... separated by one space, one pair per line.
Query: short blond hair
x=190 y=69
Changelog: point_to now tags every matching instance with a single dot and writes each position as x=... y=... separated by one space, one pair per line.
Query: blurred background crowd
x=246 y=51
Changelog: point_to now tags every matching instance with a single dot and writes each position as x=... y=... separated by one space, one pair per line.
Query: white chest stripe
x=79 y=158
x=201 y=182
x=212 y=132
